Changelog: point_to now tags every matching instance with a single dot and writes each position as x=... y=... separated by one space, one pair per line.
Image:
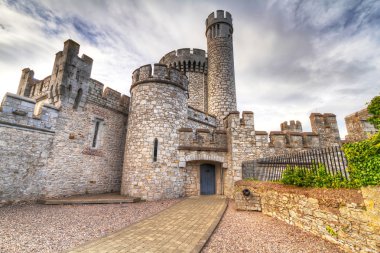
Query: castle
x=178 y=134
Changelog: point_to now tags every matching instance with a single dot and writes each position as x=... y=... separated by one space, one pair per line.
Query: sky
x=292 y=57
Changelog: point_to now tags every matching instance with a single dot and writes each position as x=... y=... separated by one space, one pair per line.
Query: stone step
x=108 y=198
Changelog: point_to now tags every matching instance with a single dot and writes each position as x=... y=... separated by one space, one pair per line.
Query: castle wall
x=241 y=141
x=51 y=151
x=199 y=119
x=24 y=157
x=158 y=109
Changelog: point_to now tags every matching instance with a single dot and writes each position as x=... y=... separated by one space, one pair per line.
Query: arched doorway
x=207 y=179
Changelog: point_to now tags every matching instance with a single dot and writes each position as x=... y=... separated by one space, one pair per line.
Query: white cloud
x=291 y=57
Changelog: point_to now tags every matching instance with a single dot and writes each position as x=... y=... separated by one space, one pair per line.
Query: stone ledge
x=192 y=148
x=9 y=124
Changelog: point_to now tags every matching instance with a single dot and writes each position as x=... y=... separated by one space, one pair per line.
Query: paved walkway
x=184 y=227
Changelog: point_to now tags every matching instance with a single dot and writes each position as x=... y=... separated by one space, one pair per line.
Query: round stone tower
x=158 y=109
x=221 y=74
x=193 y=63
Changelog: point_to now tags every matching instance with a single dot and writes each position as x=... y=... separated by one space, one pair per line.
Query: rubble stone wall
x=24 y=157
x=347 y=217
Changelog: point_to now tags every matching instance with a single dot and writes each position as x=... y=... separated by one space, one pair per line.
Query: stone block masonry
x=347 y=217
x=67 y=141
x=151 y=168
x=221 y=73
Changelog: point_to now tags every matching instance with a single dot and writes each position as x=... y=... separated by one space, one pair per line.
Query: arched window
x=77 y=99
x=194 y=65
x=77 y=77
x=175 y=65
x=155 y=150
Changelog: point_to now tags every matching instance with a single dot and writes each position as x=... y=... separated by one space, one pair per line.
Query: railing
x=271 y=168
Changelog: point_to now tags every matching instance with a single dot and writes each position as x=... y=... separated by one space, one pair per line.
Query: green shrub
x=374 y=109
x=363 y=159
x=317 y=177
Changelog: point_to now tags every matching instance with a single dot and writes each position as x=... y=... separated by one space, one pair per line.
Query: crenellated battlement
x=280 y=139
x=293 y=126
x=107 y=97
x=233 y=120
x=160 y=74
x=18 y=111
x=186 y=60
x=220 y=17
x=327 y=127
x=202 y=140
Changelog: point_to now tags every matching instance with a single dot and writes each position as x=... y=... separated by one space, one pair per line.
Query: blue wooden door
x=207 y=179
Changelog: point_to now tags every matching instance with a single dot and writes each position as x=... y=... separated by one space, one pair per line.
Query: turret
x=158 y=108
x=70 y=76
x=221 y=74
x=26 y=82
x=193 y=63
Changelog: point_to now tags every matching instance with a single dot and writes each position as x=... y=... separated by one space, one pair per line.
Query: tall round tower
x=221 y=74
x=158 y=109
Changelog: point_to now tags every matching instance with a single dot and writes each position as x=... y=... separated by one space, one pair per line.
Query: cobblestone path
x=184 y=227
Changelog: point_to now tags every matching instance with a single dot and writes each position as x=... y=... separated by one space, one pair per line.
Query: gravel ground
x=42 y=228
x=242 y=231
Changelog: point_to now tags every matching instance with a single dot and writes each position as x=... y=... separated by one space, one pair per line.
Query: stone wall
x=203 y=119
x=347 y=217
x=326 y=126
x=80 y=166
x=24 y=157
x=202 y=140
x=241 y=146
x=52 y=151
x=358 y=128
x=158 y=108
x=17 y=110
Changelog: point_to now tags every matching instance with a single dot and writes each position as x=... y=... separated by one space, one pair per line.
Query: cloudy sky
x=291 y=57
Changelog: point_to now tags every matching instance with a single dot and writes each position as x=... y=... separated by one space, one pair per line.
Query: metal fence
x=271 y=168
